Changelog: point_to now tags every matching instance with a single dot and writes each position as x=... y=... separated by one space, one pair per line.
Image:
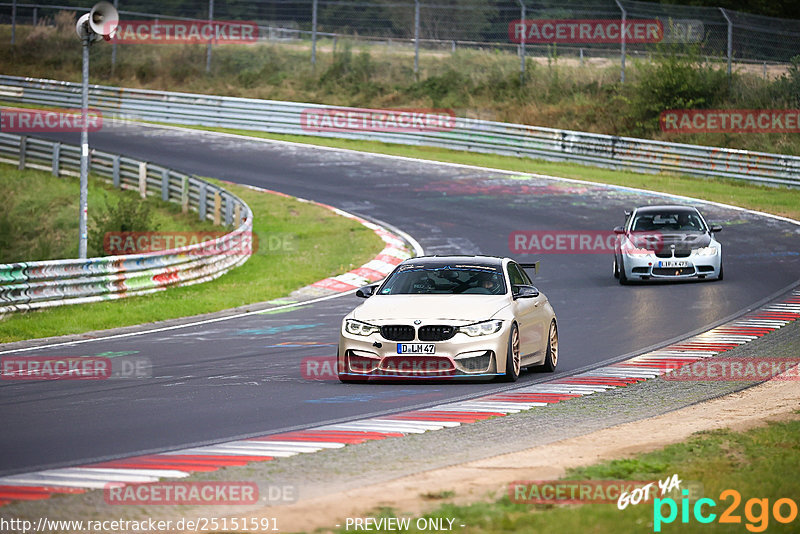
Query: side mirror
x=715 y=228
x=366 y=291
x=619 y=230
x=524 y=292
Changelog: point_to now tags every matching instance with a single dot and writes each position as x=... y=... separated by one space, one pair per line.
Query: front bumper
x=461 y=356
x=651 y=267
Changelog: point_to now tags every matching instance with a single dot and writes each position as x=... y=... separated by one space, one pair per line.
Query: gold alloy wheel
x=553 y=344
x=515 y=350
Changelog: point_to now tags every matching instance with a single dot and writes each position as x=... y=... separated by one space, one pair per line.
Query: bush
x=673 y=81
x=129 y=214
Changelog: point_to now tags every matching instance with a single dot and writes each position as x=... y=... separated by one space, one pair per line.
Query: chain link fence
x=448 y=25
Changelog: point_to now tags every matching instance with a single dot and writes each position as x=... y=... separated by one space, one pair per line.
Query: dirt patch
x=487 y=479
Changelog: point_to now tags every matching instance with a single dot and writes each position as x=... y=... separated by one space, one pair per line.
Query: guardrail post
x=23 y=147
x=185 y=194
x=56 y=158
x=237 y=214
x=115 y=177
x=202 y=201
x=165 y=185
x=228 y=209
x=143 y=179
x=217 y=206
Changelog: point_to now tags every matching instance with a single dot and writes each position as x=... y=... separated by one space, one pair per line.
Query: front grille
x=398 y=332
x=664 y=254
x=673 y=271
x=684 y=253
x=640 y=270
x=705 y=268
x=436 y=332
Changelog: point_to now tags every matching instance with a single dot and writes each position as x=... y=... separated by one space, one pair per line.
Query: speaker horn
x=103 y=19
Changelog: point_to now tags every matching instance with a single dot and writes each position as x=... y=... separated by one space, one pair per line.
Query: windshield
x=445 y=280
x=668 y=221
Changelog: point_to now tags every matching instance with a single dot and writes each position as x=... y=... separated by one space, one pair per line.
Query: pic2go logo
x=756 y=511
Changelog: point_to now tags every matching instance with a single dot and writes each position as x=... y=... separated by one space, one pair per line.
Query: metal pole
x=730 y=41
x=114 y=47
x=35 y=16
x=416 y=38
x=13 y=21
x=522 y=44
x=314 y=33
x=84 y=208
x=210 y=20
x=622 y=41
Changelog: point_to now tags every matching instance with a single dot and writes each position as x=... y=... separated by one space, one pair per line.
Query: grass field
x=300 y=243
x=39 y=219
x=758 y=464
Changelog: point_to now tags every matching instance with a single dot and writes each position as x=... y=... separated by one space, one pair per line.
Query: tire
x=616 y=268
x=720 y=272
x=512 y=356
x=551 y=357
x=623 y=278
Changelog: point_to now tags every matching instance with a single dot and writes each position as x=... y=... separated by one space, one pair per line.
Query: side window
x=515 y=275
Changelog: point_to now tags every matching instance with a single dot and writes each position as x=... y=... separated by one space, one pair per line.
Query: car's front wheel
x=623 y=278
x=616 y=267
x=512 y=355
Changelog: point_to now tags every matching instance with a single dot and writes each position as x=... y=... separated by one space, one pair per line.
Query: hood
x=663 y=241
x=467 y=308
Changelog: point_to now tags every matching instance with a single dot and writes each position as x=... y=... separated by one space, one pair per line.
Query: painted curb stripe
x=179 y=464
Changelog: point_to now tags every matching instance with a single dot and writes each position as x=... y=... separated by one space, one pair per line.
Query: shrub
x=129 y=214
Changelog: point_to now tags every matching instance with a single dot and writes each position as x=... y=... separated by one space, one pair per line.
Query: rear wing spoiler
x=534 y=266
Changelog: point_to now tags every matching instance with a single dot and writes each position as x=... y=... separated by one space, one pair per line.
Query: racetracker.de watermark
x=182 y=493
x=32 y=120
x=544 y=31
x=576 y=491
x=377 y=120
x=580 y=242
x=55 y=368
x=183 y=32
x=202 y=243
x=730 y=120
x=735 y=369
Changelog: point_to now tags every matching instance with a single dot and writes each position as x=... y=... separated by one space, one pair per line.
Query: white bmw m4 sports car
x=449 y=316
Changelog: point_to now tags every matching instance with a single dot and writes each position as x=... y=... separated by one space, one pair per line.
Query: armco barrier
x=41 y=284
x=467 y=134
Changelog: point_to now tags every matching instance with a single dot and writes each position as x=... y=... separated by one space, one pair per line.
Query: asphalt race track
x=242 y=377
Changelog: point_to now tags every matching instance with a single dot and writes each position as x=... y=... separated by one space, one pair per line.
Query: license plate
x=673 y=264
x=416 y=348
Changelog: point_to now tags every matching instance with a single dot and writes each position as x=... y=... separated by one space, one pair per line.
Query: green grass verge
x=759 y=464
x=776 y=200
x=39 y=219
x=299 y=243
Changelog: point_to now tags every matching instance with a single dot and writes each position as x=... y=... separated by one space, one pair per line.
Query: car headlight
x=705 y=251
x=351 y=326
x=483 y=328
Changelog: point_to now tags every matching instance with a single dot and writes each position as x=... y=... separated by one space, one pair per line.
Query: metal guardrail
x=41 y=284
x=467 y=134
